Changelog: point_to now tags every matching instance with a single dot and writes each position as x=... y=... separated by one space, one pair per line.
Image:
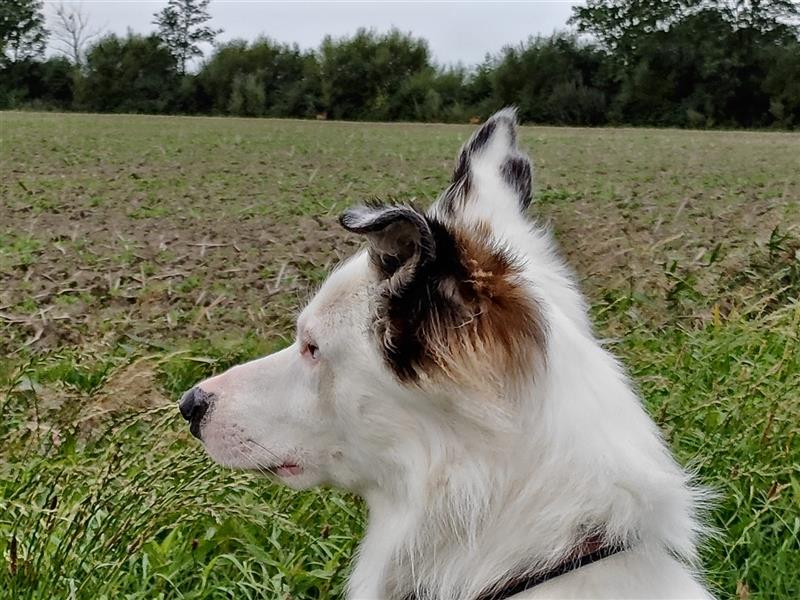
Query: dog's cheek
x=326 y=390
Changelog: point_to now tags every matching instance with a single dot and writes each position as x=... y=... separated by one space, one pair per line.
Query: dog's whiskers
x=274 y=457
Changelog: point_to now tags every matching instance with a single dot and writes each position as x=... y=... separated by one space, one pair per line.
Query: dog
x=448 y=373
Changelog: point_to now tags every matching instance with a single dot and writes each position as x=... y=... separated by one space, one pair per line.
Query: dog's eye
x=311 y=350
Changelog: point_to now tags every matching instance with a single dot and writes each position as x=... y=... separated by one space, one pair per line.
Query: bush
x=553 y=80
x=247 y=96
x=363 y=76
x=47 y=84
x=132 y=74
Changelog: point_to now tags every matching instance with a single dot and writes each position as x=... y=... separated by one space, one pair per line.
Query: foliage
x=362 y=76
x=674 y=63
x=22 y=31
x=247 y=95
x=781 y=84
x=181 y=25
x=130 y=74
x=282 y=80
x=620 y=25
x=553 y=80
x=43 y=84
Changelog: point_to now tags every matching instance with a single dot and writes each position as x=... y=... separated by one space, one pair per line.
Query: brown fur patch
x=464 y=315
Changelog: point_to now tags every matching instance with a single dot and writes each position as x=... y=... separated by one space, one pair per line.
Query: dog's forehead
x=341 y=294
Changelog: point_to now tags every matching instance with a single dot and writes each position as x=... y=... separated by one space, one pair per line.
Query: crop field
x=140 y=254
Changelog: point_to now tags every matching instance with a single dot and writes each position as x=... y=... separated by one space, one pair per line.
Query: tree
x=247 y=98
x=71 y=32
x=684 y=76
x=361 y=74
x=697 y=62
x=181 y=27
x=288 y=79
x=133 y=74
x=22 y=31
x=552 y=80
x=782 y=83
x=621 y=26
x=764 y=16
x=38 y=84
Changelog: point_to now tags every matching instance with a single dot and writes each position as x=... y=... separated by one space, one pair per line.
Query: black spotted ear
x=400 y=237
x=491 y=160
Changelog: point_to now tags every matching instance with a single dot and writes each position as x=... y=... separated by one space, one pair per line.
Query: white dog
x=449 y=375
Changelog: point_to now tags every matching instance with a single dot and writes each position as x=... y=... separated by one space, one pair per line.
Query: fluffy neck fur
x=579 y=457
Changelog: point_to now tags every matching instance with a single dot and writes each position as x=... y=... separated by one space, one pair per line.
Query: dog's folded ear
x=400 y=237
x=451 y=302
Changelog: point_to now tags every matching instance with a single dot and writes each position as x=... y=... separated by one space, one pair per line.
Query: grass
x=140 y=254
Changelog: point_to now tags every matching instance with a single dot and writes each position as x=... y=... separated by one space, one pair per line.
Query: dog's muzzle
x=193 y=406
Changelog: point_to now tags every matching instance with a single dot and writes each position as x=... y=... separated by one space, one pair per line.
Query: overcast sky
x=456 y=31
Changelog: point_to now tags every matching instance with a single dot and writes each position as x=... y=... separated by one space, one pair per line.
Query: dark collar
x=591 y=550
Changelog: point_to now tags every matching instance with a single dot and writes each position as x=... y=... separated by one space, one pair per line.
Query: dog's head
x=431 y=329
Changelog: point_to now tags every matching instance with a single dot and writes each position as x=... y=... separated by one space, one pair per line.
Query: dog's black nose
x=194 y=406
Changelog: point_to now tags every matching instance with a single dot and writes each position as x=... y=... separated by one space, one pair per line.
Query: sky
x=456 y=31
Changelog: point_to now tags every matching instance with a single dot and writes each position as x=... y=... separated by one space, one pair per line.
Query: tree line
x=684 y=63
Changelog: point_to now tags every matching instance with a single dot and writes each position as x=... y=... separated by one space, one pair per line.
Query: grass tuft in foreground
x=132 y=507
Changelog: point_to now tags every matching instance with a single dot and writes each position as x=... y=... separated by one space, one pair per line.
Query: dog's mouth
x=285 y=470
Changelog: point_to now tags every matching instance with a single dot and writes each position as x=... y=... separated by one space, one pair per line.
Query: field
x=140 y=254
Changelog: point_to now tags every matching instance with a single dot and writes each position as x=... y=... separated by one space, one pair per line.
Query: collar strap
x=591 y=550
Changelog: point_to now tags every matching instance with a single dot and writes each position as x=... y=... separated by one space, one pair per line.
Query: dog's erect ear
x=490 y=168
x=400 y=237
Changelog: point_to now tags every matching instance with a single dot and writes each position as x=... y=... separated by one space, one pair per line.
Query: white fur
x=462 y=489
